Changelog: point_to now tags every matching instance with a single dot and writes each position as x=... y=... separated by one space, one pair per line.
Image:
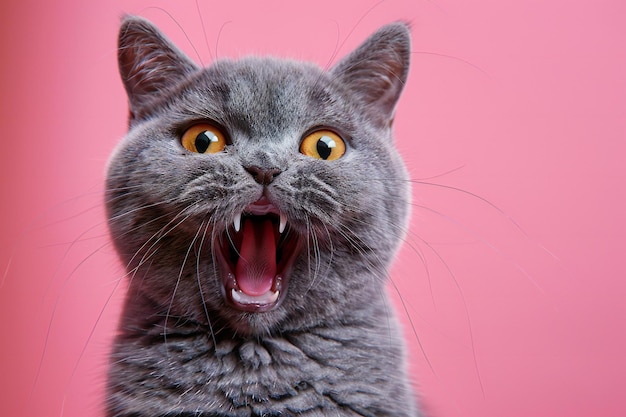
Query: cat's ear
x=377 y=70
x=149 y=64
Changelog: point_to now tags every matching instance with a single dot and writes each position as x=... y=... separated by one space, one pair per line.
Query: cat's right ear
x=149 y=64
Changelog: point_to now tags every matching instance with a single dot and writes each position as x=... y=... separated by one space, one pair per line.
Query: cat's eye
x=323 y=144
x=204 y=138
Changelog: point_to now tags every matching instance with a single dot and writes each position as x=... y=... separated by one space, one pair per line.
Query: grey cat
x=257 y=205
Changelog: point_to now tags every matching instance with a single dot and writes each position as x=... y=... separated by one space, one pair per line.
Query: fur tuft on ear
x=149 y=64
x=377 y=70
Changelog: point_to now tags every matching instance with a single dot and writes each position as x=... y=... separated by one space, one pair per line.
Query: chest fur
x=307 y=374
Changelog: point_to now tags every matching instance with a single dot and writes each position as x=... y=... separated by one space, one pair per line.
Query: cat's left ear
x=377 y=70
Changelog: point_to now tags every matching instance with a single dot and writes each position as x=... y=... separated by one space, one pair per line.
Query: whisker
x=173 y=19
x=204 y=306
x=219 y=36
x=413 y=329
x=316 y=257
x=338 y=45
x=403 y=302
x=331 y=249
x=380 y=270
x=69 y=278
x=214 y=243
x=91 y=333
x=507 y=216
x=53 y=317
x=401 y=232
x=32 y=226
x=422 y=181
x=443 y=174
x=455 y=58
x=484 y=200
x=465 y=308
x=206 y=40
x=180 y=275
x=161 y=233
x=338 y=48
x=486 y=243
x=308 y=244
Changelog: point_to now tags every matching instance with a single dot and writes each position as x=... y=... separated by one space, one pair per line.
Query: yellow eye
x=204 y=138
x=323 y=144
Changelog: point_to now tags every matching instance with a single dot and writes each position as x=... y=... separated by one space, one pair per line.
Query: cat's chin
x=255 y=258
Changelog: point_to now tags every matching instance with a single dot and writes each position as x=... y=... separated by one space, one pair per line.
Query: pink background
x=513 y=124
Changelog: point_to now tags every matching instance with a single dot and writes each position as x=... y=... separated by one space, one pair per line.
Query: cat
x=257 y=205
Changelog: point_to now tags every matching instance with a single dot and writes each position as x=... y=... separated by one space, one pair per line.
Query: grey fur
x=332 y=346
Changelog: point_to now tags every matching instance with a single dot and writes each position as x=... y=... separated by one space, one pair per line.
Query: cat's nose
x=263 y=176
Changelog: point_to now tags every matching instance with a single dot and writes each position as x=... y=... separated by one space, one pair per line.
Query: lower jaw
x=264 y=302
x=239 y=300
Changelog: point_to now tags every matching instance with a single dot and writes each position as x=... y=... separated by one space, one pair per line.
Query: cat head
x=258 y=193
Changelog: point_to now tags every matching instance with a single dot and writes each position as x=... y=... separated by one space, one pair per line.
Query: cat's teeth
x=237 y=222
x=243 y=298
x=283 y=223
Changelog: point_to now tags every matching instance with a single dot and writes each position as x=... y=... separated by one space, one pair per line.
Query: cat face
x=260 y=194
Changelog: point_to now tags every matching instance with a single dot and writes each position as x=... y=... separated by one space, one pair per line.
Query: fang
x=237 y=222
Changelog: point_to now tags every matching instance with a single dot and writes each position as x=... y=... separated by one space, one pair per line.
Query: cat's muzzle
x=256 y=256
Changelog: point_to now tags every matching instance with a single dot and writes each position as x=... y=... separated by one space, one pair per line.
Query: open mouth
x=255 y=256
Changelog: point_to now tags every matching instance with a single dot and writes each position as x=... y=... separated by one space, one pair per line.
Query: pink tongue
x=256 y=268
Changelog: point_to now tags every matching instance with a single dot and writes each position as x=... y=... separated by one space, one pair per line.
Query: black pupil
x=325 y=146
x=203 y=141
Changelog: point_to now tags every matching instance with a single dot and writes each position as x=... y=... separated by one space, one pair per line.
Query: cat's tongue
x=256 y=267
